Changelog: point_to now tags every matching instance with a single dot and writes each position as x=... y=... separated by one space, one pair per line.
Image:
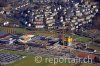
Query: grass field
x=29 y=60
x=79 y=38
x=96 y=47
x=13 y=30
x=87 y=65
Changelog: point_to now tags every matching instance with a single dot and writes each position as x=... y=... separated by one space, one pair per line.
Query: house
x=84 y=55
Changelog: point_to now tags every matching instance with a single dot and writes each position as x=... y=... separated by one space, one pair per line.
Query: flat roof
x=3 y=33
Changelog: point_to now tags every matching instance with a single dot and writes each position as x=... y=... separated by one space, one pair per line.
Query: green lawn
x=87 y=65
x=23 y=30
x=96 y=47
x=45 y=33
x=13 y=30
x=79 y=38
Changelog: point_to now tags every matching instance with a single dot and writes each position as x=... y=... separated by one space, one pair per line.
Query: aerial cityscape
x=49 y=32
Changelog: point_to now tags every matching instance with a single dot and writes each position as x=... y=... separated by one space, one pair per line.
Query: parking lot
x=6 y=58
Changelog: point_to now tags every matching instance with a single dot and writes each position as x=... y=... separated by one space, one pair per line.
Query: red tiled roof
x=86 y=55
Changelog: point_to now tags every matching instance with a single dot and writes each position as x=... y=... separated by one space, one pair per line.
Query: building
x=90 y=57
x=2 y=34
x=73 y=15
